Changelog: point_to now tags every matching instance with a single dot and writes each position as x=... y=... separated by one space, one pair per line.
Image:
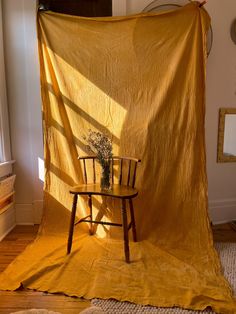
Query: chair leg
x=91 y=214
x=72 y=222
x=132 y=220
x=125 y=230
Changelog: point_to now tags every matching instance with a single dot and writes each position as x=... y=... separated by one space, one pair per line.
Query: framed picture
x=226 y=151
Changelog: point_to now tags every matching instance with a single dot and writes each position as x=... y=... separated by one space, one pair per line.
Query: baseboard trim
x=25 y=224
x=215 y=223
x=29 y=214
x=38 y=211
x=222 y=211
x=24 y=214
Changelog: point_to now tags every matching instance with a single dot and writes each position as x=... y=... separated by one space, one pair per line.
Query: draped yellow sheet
x=141 y=80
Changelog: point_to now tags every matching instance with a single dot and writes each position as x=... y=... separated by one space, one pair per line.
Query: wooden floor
x=14 y=243
x=17 y=241
x=224 y=233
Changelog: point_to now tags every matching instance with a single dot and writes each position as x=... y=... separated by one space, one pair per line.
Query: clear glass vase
x=105 y=183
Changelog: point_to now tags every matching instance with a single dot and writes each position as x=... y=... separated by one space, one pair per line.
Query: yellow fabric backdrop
x=141 y=80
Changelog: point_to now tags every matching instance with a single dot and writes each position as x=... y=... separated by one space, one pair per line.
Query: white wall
x=221 y=92
x=23 y=89
x=25 y=107
x=7 y=216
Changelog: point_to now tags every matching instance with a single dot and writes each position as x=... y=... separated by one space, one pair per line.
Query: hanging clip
x=202 y=4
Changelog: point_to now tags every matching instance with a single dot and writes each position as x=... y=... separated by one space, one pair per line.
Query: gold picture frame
x=221 y=157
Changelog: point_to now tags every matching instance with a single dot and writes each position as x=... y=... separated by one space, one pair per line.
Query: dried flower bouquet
x=101 y=145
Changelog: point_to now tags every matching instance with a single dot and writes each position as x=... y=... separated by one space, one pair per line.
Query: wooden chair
x=124 y=190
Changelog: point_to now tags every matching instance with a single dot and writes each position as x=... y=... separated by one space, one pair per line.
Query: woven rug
x=227 y=252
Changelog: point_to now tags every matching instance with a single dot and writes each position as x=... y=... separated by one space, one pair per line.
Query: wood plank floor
x=224 y=233
x=14 y=243
x=17 y=240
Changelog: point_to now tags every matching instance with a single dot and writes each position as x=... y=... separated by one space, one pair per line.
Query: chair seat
x=117 y=190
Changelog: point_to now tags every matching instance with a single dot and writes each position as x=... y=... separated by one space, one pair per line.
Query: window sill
x=6 y=168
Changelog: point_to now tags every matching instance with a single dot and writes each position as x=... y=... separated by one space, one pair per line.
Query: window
x=5 y=154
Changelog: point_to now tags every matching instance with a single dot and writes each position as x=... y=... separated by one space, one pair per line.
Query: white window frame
x=5 y=145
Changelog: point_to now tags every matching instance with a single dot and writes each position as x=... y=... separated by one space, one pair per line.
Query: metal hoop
x=233 y=31
x=176 y=5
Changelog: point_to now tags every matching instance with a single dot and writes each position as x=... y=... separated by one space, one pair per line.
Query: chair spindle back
x=123 y=169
